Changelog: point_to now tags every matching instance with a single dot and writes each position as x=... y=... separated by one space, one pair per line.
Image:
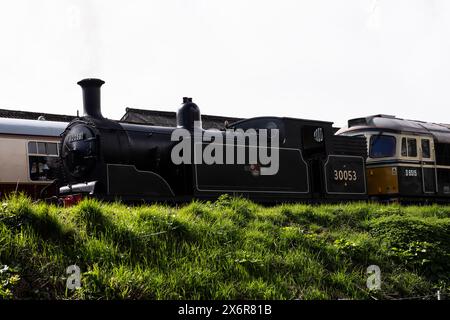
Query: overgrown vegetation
x=228 y=249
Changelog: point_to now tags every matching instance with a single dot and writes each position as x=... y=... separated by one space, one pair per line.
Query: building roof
x=17 y=114
x=169 y=119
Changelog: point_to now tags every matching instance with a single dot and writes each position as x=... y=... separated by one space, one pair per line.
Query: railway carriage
x=29 y=155
x=407 y=159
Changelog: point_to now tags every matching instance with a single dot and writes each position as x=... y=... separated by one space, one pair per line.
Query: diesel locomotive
x=407 y=159
x=117 y=160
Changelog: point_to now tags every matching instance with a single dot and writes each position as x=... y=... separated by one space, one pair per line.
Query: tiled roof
x=17 y=114
x=168 y=119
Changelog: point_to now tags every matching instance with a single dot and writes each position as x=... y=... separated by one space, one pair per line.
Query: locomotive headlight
x=79 y=150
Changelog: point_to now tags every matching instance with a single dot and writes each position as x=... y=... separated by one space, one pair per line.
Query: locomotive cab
x=333 y=166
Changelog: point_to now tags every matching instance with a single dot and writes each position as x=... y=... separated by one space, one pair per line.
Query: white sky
x=316 y=59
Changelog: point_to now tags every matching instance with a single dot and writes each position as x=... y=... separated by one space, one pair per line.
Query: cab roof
x=380 y=122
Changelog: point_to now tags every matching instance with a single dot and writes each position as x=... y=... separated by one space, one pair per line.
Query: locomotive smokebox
x=91 y=97
x=188 y=114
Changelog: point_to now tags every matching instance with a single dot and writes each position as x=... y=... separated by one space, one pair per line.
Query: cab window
x=426 y=148
x=268 y=123
x=382 y=146
x=409 y=147
x=404 y=148
x=412 y=147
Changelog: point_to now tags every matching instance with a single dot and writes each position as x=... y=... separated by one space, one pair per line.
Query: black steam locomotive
x=116 y=160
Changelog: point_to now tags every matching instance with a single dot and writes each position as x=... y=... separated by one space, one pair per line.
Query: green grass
x=228 y=249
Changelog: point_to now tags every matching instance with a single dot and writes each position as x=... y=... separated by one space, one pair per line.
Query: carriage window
x=382 y=146
x=426 y=148
x=412 y=148
x=404 y=148
x=43 y=168
x=52 y=149
x=43 y=148
x=43 y=160
x=32 y=147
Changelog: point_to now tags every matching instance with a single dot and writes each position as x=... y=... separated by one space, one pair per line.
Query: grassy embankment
x=229 y=249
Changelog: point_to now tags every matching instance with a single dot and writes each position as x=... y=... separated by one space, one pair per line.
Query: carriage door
x=428 y=165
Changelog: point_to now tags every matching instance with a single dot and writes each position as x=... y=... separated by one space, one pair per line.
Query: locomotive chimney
x=91 y=97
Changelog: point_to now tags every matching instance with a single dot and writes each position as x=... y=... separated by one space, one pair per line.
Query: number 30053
x=345 y=175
